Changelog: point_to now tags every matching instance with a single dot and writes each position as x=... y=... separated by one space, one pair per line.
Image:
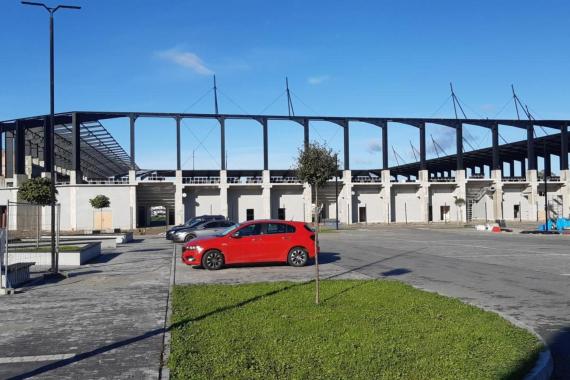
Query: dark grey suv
x=192 y=223
x=207 y=228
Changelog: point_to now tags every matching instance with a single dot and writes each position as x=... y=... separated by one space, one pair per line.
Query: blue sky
x=362 y=58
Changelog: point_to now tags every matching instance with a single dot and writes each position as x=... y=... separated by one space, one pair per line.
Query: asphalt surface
x=106 y=321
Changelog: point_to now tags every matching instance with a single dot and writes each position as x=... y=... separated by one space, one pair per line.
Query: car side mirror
x=236 y=236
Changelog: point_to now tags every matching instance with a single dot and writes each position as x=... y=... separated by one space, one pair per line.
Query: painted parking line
x=37 y=358
x=565 y=274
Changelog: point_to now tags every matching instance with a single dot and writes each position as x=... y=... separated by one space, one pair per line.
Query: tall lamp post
x=51 y=11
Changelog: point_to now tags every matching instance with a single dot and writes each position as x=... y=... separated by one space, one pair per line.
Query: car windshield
x=228 y=230
x=194 y=223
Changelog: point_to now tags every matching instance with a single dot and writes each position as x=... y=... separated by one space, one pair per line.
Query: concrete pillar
x=266 y=194
x=308 y=202
x=423 y=194
x=386 y=195
x=29 y=164
x=133 y=198
x=497 y=177
x=178 y=199
x=532 y=191
x=565 y=190
x=73 y=207
x=345 y=210
x=224 y=193
x=461 y=193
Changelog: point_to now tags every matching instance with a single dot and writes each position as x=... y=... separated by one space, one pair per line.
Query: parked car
x=253 y=242
x=206 y=228
x=193 y=222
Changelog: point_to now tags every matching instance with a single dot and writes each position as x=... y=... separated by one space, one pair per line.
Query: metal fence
x=27 y=233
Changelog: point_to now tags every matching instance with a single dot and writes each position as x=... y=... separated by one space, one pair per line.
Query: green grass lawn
x=361 y=330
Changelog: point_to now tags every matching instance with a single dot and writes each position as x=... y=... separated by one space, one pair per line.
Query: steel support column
x=547 y=164
x=496 y=164
x=265 y=144
x=1 y=153
x=178 y=162
x=564 y=147
x=20 y=149
x=306 y=133
x=459 y=145
x=222 y=122
x=132 y=120
x=345 y=126
x=385 y=164
x=523 y=167
x=47 y=145
x=76 y=144
x=531 y=155
x=423 y=146
x=9 y=144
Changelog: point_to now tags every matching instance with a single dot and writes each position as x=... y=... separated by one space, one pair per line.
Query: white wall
x=201 y=201
x=512 y=195
x=478 y=209
x=241 y=198
x=369 y=197
x=290 y=198
x=405 y=201
x=441 y=195
x=77 y=213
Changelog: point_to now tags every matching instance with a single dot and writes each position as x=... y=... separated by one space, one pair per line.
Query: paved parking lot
x=523 y=277
x=106 y=320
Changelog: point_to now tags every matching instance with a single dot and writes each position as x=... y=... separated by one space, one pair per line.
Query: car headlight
x=196 y=248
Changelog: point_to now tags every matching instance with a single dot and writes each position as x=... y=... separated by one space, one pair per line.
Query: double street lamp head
x=49 y=9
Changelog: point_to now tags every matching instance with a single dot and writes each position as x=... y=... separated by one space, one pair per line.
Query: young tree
x=315 y=164
x=460 y=202
x=36 y=191
x=100 y=202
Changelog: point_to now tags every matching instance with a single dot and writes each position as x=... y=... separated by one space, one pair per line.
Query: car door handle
x=285 y=238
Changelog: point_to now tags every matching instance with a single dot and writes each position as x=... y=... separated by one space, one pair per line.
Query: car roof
x=257 y=221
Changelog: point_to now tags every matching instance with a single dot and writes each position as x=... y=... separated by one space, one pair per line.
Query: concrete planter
x=87 y=252
x=17 y=275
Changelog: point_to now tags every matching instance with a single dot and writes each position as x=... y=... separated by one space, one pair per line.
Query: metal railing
x=514 y=179
x=366 y=179
x=200 y=180
x=285 y=180
x=113 y=181
x=442 y=179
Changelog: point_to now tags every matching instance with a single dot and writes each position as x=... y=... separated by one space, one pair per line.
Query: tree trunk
x=38 y=225
x=317 y=244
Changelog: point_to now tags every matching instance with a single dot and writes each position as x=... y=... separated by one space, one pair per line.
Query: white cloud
x=318 y=79
x=374 y=147
x=185 y=59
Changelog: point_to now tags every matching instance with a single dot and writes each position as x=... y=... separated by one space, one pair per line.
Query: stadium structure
x=462 y=187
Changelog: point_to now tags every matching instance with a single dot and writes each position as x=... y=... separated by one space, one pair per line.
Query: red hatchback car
x=253 y=242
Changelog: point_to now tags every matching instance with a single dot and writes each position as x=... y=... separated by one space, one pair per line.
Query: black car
x=192 y=223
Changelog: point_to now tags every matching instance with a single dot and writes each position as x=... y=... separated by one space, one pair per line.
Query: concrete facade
x=381 y=200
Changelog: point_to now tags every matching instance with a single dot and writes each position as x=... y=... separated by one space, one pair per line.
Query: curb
x=164 y=371
x=543 y=368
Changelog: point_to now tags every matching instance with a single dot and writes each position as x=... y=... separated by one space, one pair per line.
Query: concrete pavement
x=105 y=321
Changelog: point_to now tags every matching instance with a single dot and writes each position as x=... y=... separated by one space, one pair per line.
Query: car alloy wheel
x=213 y=260
x=298 y=257
x=188 y=238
